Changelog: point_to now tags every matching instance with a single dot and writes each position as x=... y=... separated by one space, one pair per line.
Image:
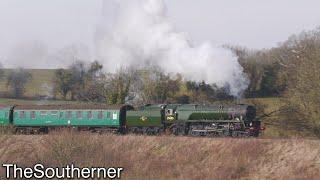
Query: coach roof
x=68 y=106
x=2 y=106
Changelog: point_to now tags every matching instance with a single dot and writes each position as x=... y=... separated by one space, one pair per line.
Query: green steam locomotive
x=151 y=119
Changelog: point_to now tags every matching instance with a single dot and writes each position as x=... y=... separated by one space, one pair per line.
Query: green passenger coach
x=5 y=115
x=92 y=117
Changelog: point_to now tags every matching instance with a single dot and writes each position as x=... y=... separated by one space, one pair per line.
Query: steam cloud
x=138 y=32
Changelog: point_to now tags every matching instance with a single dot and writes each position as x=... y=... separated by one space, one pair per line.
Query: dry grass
x=166 y=157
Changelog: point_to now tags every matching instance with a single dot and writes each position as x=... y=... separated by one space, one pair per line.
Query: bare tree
x=82 y=81
x=17 y=80
x=153 y=85
x=1 y=71
x=63 y=82
x=118 y=85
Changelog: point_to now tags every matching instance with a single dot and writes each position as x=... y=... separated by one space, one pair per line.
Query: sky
x=51 y=25
x=251 y=23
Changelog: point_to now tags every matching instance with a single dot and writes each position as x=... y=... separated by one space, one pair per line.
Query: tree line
x=87 y=82
x=290 y=71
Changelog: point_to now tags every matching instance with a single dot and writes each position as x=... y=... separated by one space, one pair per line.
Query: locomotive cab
x=250 y=113
x=251 y=122
x=170 y=113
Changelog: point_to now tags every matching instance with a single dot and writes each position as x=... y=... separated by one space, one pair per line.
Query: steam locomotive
x=151 y=119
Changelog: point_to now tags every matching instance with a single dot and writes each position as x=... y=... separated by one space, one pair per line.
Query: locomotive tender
x=177 y=119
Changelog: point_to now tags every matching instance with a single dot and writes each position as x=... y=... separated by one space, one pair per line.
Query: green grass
x=41 y=80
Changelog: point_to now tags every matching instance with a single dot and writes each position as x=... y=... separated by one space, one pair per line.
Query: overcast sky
x=250 y=23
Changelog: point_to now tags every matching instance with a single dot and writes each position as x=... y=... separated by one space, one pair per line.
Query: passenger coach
x=5 y=112
x=42 y=118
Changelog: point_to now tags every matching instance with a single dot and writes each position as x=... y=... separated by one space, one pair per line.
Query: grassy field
x=165 y=157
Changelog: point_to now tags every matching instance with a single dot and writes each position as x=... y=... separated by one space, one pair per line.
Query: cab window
x=169 y=112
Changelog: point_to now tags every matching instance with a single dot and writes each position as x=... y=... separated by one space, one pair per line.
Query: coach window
x=89 y=114
x=79 y=114
x=33 y=115
x=43 y=113
x=100 y=115
x=22 y=114
x=54 y=113
x=69 y=114
x=108 y=115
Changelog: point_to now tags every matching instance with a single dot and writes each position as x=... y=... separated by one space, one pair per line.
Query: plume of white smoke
x=138 y=32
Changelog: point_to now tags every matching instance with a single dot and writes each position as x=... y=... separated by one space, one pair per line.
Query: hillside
x=167 y=157
x=40 y=84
